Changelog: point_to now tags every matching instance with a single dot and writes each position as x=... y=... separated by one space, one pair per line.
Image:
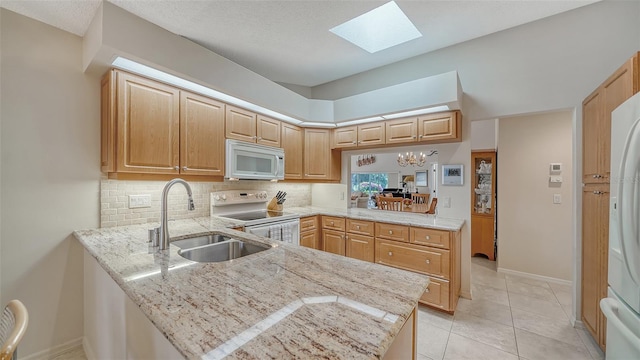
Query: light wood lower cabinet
x=309 y=232
x=427 y=251
x=432 y=252
x=333 y=241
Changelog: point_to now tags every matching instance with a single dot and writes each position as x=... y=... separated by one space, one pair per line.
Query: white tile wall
x=114 y=198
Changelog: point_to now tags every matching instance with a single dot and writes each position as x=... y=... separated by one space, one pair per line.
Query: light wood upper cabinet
x=248 y=126
x=240 y=124
x=401 y=131
x=371 y=134
x=440 y=127
x=201 y=140
x=293 y=144
x=149 y=129
x=320 y=162
x=268 y=131
x=345 y=136
x=596 y=118
x=148 y=126
x=592 y=145
x=359 y=135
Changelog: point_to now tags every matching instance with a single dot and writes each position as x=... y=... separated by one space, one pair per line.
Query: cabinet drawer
x=437 y=294
x=333 y=223
x=430 y=237
x=392 y=232
x=361 y=227
x=417 y=258
x=308 y=223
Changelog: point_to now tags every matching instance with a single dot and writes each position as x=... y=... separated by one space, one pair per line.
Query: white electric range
x=249 y=207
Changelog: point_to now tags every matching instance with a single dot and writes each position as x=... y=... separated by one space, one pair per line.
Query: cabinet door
x=268 y=131
x=240 y=124
x=292 y=143
x=201 y=135
x=482 y=231
x=595 y=234
x=592 y=118
x=317 y=159
x=371 y=134
x=440 y=127
x=401 y=131
x=359 y=247
x=333 y=242
x=616 y=90
x=148 y=126
x=437 y=294
x=345 y=137
x=309 y=239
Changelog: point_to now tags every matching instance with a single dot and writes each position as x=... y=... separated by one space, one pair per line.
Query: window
x=369 y=183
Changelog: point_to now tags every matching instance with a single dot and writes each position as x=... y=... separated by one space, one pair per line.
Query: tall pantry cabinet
x=596 y=149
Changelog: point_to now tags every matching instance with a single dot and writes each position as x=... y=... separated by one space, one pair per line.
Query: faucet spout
x=164 y=222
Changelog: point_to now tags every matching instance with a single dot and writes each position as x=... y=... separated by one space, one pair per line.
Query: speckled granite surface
x=394 y=217
x=286 y=302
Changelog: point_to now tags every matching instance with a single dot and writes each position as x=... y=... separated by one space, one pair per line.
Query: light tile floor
x=510 y=317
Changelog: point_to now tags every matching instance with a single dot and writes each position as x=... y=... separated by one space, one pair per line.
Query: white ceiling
x=289 y=41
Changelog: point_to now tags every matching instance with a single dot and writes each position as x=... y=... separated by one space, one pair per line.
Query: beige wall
x=535 y=235
x=50 y=176
x=483 y=134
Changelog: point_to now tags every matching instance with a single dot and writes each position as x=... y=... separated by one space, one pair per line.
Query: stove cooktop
x=260 y=217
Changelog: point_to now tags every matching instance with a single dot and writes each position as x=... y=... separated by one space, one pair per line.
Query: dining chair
x=432 y=207
x=420 y=198
x=390 y=203
x=13 y=325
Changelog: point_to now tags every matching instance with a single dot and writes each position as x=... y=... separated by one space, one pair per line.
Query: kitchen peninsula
x=286 y=302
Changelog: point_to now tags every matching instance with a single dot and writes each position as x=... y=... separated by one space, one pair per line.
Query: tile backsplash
x=114 y=198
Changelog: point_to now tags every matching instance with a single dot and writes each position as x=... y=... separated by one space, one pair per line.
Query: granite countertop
x=286 y=302
x=394 y=217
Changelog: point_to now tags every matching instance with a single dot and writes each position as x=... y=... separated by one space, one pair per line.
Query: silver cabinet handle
x=184 y=168
x=595 y=176
x=332 y=223
x=390 y=232
x=421 y=136
x=176 y=167
x=353 y=142
x=358 y=227
x=259 y=138
x=413 y=137
x=427 y=290
x=428 y=261
x=428 y=237
x=390 y=253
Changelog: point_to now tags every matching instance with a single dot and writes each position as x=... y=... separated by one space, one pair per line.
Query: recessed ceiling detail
x=379 y=29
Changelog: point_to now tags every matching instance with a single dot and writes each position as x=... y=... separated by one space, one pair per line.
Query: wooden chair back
x=13 y=325
x=432 y=207
x=420 y=198
x=390 y=203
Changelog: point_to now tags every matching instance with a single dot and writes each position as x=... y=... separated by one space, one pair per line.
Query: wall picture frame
x=453 y=175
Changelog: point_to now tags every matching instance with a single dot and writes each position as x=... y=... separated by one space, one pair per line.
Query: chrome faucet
x=163 y=230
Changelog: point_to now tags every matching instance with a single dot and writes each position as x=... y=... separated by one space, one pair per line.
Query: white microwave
x=252 y=161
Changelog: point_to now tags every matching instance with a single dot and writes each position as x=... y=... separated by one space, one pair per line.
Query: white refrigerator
x=622 y=306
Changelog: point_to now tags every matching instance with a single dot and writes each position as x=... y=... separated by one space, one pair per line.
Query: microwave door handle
x=628 y=200
x=278 y=170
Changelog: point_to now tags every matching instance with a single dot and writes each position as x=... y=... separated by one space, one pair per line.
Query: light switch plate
x=446 y=202
x=557 y=198
x=139 y=201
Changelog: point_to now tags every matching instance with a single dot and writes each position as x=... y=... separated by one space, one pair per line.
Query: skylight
x=378 y=29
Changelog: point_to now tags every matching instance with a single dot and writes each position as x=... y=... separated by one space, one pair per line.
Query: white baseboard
x=578 y=324
x=88 y=351
x=535 y=276
x=54 y=351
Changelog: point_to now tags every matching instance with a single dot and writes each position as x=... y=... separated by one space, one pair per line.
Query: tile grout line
x=513 y=324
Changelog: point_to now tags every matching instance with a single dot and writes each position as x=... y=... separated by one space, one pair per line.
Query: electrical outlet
x=557 y=198
x=446 y=202
x=139 y=201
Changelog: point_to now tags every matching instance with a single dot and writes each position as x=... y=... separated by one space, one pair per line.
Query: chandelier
x=411 y=159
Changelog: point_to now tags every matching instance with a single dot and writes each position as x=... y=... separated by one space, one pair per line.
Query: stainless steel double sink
x=216 y=248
